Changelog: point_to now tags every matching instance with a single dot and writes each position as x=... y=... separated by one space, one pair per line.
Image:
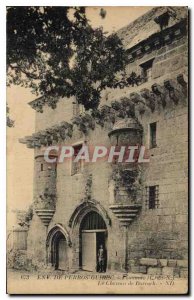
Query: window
x=76 y=166
x=41 y=167
x=146 y=70
x=152 y=200
x=153 y=127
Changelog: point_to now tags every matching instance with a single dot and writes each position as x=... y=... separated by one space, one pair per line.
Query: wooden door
x=62 y=255
x=89 y=251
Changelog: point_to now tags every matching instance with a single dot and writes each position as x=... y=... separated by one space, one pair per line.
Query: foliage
x=123 y=108
x=16 y=259
x=128 y=178
x=84 y=122
x=56 y=52
x=88 y=188
x=10 y=123
x=131 y=80
x=24 y=218
x=46 y=201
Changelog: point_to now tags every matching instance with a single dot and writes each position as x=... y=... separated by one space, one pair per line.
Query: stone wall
x=165 y=267
x=157 y=239
x=50 y=117
x=36 y=243
x=145 y=25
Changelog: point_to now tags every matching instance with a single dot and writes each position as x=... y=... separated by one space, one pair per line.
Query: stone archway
x=83 y=208
x=58 y=245
x=93 y=235
x=76 y=223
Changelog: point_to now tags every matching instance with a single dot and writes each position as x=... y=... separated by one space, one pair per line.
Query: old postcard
x=97 y=150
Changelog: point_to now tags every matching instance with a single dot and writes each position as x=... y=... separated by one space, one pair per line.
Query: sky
x=19 y=157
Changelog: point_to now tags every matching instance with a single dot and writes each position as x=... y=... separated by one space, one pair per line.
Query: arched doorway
x=60 y=257
x=93 y=235
x=58 y=243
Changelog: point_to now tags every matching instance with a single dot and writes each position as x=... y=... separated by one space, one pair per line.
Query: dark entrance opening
x=93 y=234
x=59 y=257
x=101 y=239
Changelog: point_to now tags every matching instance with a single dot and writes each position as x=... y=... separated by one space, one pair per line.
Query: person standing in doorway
x=101 y=259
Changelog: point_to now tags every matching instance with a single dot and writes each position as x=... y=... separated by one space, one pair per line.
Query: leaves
x=10 y=123
x=56 y=52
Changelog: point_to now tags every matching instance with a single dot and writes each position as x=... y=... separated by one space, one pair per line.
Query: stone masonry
x=154 y=241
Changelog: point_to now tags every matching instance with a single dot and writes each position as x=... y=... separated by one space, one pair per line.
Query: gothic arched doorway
x=58 y=244
x=93 y=235
x=61 y=258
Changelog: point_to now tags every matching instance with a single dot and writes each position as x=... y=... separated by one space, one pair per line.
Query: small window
x=153 y=127
x=152 y=199
x=76 y=166
x=146 y=70
x=41 y=167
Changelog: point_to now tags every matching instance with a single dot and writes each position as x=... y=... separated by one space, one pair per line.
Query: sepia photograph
x=97 y=150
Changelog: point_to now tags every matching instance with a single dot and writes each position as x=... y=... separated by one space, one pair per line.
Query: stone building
x=138 y=212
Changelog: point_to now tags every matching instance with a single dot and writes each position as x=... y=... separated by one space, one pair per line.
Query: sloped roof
x=145 y=26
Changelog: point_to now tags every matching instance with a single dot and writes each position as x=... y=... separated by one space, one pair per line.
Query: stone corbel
x=149 y=98
x=139 y=53
x=160 y=94
x=148 y=48
x=139 y=102
x=131 y=58
x=167 y=38
x=178 y=33
x=173 y=93
x=182 y=82
x=157 y=43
